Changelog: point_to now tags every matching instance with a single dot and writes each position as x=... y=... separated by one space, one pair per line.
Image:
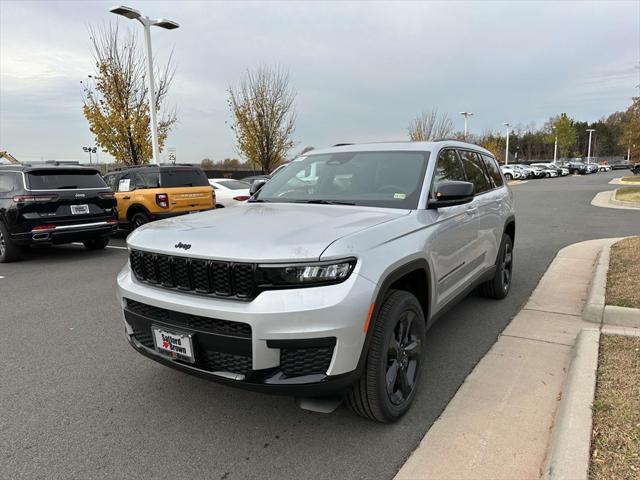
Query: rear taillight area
x=34 y=198
x=162 y=200
x=43 y=228
x=112 y=221
x=241 y=198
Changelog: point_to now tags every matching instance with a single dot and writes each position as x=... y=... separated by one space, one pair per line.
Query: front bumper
x=305 y=341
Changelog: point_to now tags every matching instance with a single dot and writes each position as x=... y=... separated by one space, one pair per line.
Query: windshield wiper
x=325 y=202
x=66 y=186
x=257 y=200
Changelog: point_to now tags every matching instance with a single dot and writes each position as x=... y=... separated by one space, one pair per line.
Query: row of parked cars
x=521 y=171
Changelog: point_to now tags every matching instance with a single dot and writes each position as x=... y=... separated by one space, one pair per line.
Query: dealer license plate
x=173 y=344
x=79 y=209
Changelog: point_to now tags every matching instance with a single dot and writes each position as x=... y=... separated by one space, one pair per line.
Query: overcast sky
x=362 y=70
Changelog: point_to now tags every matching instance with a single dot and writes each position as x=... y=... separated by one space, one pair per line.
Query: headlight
x=303 y=274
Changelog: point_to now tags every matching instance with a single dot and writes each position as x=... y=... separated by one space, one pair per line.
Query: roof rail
x=342 y=144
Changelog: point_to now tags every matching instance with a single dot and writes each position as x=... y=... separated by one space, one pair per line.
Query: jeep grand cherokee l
x=325 y=282
x=53 y=205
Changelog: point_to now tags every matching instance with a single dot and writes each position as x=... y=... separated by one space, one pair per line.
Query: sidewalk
x=498 y=425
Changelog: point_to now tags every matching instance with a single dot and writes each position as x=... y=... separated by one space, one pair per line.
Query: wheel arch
x=135 y=208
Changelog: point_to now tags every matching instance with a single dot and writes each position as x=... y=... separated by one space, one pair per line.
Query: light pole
x=90 y=150
x=147 y=23
x=506 y=150
x=465 y=115
x=555 y=145
x=590 y=130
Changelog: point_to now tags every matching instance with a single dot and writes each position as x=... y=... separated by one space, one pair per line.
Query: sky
x=361 y=70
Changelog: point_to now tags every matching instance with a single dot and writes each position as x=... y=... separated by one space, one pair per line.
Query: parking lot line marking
x=108 y=246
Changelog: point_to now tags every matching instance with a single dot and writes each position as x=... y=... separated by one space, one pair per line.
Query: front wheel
x=97 y=243
x=508 y=176
x=388 y=384
x=498 y=287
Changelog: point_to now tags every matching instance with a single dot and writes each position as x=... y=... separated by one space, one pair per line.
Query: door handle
x=126 y=198
x=472 y=210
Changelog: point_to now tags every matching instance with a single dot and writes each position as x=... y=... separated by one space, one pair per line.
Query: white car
x=548 y=169
x=605 y=167
x=512 y=173
x=229 y=191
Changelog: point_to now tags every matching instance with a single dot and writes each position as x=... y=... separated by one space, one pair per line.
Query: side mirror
x=255 y=186
x=449 y=194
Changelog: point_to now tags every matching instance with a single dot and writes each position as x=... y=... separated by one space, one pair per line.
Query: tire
x=138 y=219
x=391 y=351
x=9 y=251
x=219 y=206
x=98 y=243
x=508 y=176
x=498 y=287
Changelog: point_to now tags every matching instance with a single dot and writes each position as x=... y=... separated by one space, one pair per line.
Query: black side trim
x=303 y=343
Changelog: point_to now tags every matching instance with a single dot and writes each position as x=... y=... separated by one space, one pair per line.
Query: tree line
x=262 y=106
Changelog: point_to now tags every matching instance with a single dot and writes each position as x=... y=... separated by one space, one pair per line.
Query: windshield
x=233 y=184
x=183 y=177
x=378 y=179
x=63 y=179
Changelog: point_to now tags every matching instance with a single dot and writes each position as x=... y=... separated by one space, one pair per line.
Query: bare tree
x=116 y=99
x=430 y=126
x=264 y=116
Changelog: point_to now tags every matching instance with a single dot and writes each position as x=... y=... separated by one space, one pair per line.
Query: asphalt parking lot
x=77 y=402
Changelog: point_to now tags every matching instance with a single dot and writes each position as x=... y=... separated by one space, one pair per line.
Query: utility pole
x=555 y=146
x=506 y=150
x=466 y=115
x=590 y=130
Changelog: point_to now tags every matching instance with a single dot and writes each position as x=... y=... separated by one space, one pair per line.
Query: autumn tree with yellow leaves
x=116 y=98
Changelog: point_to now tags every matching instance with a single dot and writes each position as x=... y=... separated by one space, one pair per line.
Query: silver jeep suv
x=324 y=283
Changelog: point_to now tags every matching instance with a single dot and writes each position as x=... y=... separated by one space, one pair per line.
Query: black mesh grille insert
x=208 y=277
x=213 y=325
x=296 y=362
x=225 y=362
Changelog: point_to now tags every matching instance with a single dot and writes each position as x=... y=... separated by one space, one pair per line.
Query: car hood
x=259 y=232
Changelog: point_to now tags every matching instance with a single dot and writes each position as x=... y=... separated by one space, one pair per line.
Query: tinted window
x=183 y=177
x=382 y=179
x=145 y=179
x=111 y=181
x=474 y=171
x=234 y=184
x=493 y=170
x=59 y=179
x=8 y=182
x=448 y=169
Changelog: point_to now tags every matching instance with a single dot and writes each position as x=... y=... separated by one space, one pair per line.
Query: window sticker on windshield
x=400 y=196
x=123 y=186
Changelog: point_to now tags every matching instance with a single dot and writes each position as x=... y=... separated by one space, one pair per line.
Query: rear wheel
x=139 y=219
x=9 y=251
x=97 y=243
x=508 y=176
x=388 y=384
x=498 y=287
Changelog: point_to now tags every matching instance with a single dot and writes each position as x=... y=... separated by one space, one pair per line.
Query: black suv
x=52 y=205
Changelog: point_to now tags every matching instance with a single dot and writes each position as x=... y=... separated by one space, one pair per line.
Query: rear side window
x=474 y=171
x=183 y=177
x=493 y=170
x=9 y=182
x=448 y=169
x=61 y=179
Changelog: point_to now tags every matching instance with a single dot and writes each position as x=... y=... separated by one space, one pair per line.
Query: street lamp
x=555 y=145
x=90 y=150
x=147 y=23
x=590 y=130
x=506 y=153
x=465 y=115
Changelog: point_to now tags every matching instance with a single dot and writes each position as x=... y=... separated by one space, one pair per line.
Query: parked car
x=574 y=167
x=604 y=167
x=325 y=288
x=593 y=167
x=525 y=170
x=154 y=192
x=512 y=173
x=621 y=165
x=229 y=191
x=635 y=168
x=44 y=205
x=548 y=169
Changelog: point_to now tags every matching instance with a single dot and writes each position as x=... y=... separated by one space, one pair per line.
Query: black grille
x=208 y=277
x=225 y=362
x=296 y=362
x=213 y=325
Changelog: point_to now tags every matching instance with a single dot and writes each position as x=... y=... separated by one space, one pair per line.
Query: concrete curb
x=615 y=201
x=603 y=200
x=568 y=456
x=621 y=316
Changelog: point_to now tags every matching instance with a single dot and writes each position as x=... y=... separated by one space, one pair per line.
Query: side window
x=448 y=169
x=8 y=182
x=474 y=171
x=493 y=170
x=111 y=181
